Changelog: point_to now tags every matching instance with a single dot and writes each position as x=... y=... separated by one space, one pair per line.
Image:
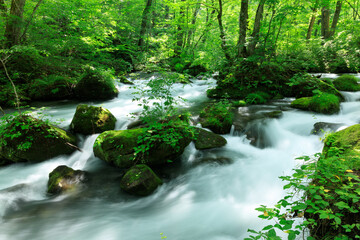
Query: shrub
x=257 y=98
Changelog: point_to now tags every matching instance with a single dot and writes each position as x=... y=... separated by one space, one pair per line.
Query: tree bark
x=335 y=18
x=14 y=23
x=312 y=22
x=222 y=32
x=144 y=23
x=180 y=31
x=243 y=25
x=325 y=22
x=257 y=24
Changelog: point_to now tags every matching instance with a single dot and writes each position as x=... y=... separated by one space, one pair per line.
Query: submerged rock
x=63 y=179
x=321 y=127
x=207 y=140
x=89 y=120
x=140 y=180
x=30 y=139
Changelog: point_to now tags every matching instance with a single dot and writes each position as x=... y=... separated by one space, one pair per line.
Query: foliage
x=257 y=98
x=324 y=194
x=164 y=122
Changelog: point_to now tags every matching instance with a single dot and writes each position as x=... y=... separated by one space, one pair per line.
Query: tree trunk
x=269 y=27
x=222 y=31
x=335 y=18
x=14 y=23
x=193 y=22
x=144 y=23
x=243 y=25
x=311 y=23
x=257 y=24
x=180 y=31
x=325 y=22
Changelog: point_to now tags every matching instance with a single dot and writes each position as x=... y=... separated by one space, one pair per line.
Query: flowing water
x=205 y=200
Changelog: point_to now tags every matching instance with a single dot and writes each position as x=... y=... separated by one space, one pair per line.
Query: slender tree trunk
x=193 y=22
x=269 y=27
x=222 y=31
x=180 y=31
x=257 y=24
x=243 y=25
x=144 y=23
x=14 y=23
x=277 y=36
x=311 y=23
x=31 y=17
x=335 y=18
x=325 y=22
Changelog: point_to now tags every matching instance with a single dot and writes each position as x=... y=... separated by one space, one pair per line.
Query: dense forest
x=261 y=55
x=40 y=40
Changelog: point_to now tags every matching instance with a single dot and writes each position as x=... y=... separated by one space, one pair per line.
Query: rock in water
x=207 y=140
x=63 y=179
x=29 y=139
x=96 y=85
x=89 y=120
x=140 y=180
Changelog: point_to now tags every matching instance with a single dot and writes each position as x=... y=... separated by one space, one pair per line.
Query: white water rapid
x=215 y=200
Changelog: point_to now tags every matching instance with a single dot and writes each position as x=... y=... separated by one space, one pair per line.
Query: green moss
x=347 y=83
x=96 y=85
x=325 y=103
x=140 y=180
x=64 y=178
x=217 y=117
x=239 y=103
x=301 y=103
x=89 y=120
x=322 y=103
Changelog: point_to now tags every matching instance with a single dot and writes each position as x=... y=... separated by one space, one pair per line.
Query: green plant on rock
x=257 y=98
x=161 y=116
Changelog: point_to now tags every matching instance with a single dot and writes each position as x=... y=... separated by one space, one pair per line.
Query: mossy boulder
x=305 y=85
x=118 y=148
x=52 y=87
x=29 y=139
x=90 y=120
x=124 y=80
x=321 y=127
x=207 y=140
x=64 y=179
x=322 y=103
x=301 y=103
x=217 y=117
x=347 y=82
x=347 y=141
x=140 y=180
x=96 y=85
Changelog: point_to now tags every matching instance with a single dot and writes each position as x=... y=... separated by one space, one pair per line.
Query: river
x=203 y=201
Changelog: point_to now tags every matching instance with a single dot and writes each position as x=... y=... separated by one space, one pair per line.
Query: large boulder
x=322 y=103
x=29 y=139
x=90 y=120
x=96 y=85
x=207 y=140
x=322 y=127
x=118 y=148
x=347 y=141
x=140 y=180
x=347 y=82
x=217 y=117
x=63 y=179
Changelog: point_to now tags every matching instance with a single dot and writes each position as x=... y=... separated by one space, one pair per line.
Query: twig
x=73 y=146
x=12 y=83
